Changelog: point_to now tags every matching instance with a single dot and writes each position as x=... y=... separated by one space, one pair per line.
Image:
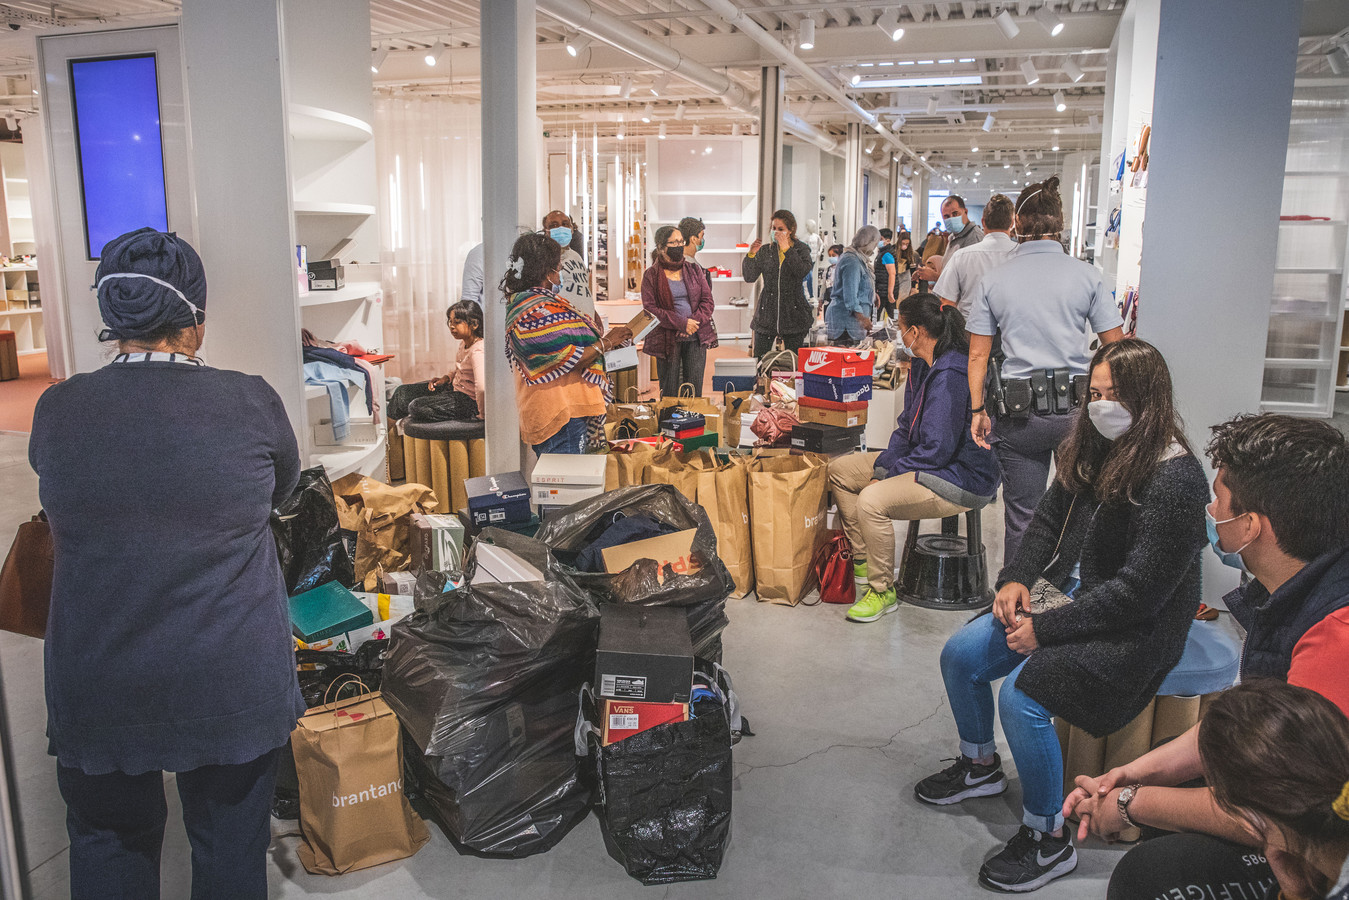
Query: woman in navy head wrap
x=168 y=645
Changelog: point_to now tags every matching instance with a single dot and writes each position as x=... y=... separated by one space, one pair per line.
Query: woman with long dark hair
x=1112 y=561
x=783 y=312
x=931 y=469
x=676 y=293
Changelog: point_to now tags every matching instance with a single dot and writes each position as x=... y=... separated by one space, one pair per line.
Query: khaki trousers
x=869 y=511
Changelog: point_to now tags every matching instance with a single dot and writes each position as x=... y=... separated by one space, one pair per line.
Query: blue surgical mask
x=904 y=345
x=833 y=260
x=954 y=224
x=561 y=234
x=1230 y=558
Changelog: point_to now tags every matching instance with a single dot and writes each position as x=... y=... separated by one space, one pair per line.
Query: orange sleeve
x=1321 y=659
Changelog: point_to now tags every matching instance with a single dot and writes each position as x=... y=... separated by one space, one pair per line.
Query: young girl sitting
x=466 y=398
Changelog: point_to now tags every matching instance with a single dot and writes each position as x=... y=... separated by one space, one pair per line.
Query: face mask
x=561 y=234
x=1110 y=418
x=1232 y=558
x=675 y=254
x=701 y=245
x=954 y=224
x=833 y=260
x=904 y=345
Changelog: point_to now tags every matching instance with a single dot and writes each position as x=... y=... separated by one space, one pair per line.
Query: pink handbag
x=773 y=425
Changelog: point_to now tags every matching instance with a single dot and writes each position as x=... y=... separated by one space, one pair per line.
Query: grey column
x=509 y=197
x=921 y=185
x=853 y=212
x=892 y=197
x=770 y=149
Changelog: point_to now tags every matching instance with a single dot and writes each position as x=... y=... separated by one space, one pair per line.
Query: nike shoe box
x=644 y=654
x=836 y=390
x=837 y=362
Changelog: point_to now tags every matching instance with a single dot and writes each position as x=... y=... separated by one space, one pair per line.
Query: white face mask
x=1110 y=418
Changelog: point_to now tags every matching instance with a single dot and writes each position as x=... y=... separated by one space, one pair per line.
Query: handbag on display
x=26 y=579
x=833 y=568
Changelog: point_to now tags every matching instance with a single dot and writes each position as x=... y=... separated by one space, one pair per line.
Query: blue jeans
x=972 y=659
x=571 y=439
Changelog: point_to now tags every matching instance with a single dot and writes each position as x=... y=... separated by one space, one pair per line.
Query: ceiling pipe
x=581 y=16
x=806 y=131
x=741 y=20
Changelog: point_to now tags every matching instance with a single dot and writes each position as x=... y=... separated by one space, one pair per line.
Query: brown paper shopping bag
x=629 y=460
x=735 y=417
x=353 y=811
x=683 y=470
x=786 y=514
x=710 y=411
x=724 y=493
x=380 y=516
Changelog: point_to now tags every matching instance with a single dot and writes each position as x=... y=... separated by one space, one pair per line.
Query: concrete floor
x=847 y=717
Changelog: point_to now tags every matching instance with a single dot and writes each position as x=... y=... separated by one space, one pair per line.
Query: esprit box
x=837 y=390
x=840 y=362
x=839 y=418
x=624 y=718
x=644 y=654
x=437 y=543
x=561 y=479
x=815 y=438
x=498 y=499
x=327 y=610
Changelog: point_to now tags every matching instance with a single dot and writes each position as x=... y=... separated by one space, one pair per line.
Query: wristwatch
x=1126 y=796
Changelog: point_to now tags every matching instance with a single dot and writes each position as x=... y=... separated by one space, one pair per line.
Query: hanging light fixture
x=997 y=156
x=433 y=55
x=661 y=134
x=377 y=58
x=932 y=105
x=1060 y=102
x=889 y=23
x=871 y=148
x=1093 y=122
x=1028 y=70
x=625 y=87
x=735 y=130
x=856 y=78
x=1049 y=20
x=659 y=83
x=646 y=112
x=974 y=145
x=988 y=122
x=1337 y=58
x=621 y=133
x=1008 y=25
x=1055 y=148
x=697 y=129
x=807 y=38
x=576 y=43
x=1073 y=71
x=898 y=123
x=679 y=113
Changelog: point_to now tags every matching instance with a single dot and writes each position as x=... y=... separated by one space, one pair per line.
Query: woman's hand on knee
x=1012 y=600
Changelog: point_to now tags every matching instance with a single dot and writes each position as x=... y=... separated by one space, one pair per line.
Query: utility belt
x=1052 y=392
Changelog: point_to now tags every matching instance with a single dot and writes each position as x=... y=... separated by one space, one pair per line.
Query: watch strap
x=1126 y=797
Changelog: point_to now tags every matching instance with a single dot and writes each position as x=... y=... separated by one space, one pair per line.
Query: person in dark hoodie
x=1118 y=538
x=932 y=467
x=1281 y=513
x=783 y=310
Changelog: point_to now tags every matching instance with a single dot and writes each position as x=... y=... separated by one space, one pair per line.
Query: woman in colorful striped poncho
x=556 y=350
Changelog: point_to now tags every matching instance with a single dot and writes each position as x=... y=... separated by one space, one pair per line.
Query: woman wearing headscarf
x=853 y=295
x=168 y=644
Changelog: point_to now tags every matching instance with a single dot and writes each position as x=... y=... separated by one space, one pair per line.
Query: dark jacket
x=933 y=433
x=1275 y=622
x=1103 y=656
x=783 y=308
x=661 y=341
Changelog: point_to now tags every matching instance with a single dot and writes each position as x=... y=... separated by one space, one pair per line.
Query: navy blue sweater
x=933 y=434
x=169 y=642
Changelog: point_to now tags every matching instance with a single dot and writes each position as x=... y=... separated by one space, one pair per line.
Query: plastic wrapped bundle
x=485 y=683
x=702 y=594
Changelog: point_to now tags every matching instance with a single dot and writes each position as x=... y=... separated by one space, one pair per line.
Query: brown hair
x=999 y=213
x=1039 y=210
x=1277 y=755
x=786 y=218
x=1119 y=469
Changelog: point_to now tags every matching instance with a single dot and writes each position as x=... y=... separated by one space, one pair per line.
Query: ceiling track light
x=988 y=122
x=377 y=58
x=435 y=53
x=1008 y=25
x=621 y=133
x=1049 y=20
x=735 y=130
x=1021 y=156
x=871 y=148
x=1028 y=71
x=661 y=133
x=855 y=78
x=997 y=156
x=931 y=106
x=625 y=87
x=807 y=37
x=1039 y=154
x=1337 y=58
x=577 y=43
x=12 y=123
x=974 y=145
x=888 y=22
x=646 y=112
x=898 y=123
x=679 y=113
x=659 y=84
x=1073 y=71
x=1093 y=122
x=1060 y=102
x=697 y=129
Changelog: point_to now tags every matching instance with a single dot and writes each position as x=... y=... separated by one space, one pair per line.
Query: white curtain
x=429 y=160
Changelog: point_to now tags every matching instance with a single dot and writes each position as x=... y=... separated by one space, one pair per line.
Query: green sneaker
x=874 y=605
x=859 y=571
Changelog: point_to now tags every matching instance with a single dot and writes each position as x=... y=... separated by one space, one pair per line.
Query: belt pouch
x=1081 y=387
x=1063 y=403
x=1039 y=386
x=1016 y=394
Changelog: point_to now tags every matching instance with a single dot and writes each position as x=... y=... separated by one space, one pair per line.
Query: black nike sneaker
x=1030 y=861
x=961 y=781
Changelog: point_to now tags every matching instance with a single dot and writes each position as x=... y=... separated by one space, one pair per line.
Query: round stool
x=946 y=571
x=443 y=455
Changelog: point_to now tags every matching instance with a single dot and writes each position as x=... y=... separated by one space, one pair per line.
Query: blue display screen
x=121 y=156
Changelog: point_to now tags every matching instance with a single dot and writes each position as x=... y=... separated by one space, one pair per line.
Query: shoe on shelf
x=859 y=571
x=961 y=781
x=1030 y=861
x=874 y=605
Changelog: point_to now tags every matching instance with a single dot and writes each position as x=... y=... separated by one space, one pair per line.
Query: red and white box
x=624 y=718
x=816 y=402
x=838 y=362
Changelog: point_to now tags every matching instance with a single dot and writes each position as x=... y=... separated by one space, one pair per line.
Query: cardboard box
x=326 y=275
x=840 y=362
x=674 y=550
x=350 y=641
x=641 y=325
x=839 y=418
x=683 y=434
x=621 y=358
x=723 y=383
x=699 y=442
x=815 y=438
x=437 y=543
x=736 y=365
x=644 y=654
x=399 y=584
x=837 y=390
x=561 y=479
x=528 y=529
x=624 y=718
x=326 y=611
x=497 y=565
x=498 y=499
x=829 y=404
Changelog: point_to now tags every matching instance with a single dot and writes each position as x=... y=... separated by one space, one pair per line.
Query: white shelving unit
x=1305 y=355
x=20 y=296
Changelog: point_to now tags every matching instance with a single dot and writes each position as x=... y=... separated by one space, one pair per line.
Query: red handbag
x=833 y=568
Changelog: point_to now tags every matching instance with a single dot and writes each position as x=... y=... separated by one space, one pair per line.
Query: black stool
x=946 y=571
x=442 y=455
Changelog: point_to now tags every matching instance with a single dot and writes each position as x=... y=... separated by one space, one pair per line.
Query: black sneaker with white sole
x=1030 y=861
x=961 y=781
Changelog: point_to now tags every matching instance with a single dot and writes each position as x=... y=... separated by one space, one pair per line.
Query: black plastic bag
x=484 y=681
x=702 y=594
x=308 y=537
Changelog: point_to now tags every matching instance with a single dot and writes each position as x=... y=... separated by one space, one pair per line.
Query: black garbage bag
x=702 y=594
x=484 y=681
x=309 y=541
x=664 y=794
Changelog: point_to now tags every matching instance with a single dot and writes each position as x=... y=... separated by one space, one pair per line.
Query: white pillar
x=770 y=148
x=918 y=227
x=854 y=216
x=892 y=197
x=509 y=197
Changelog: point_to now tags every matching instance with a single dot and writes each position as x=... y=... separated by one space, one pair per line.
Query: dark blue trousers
x=116 y=826
x=1025 y=449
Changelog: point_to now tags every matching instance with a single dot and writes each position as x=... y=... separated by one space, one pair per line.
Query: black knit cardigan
x=1103 y=656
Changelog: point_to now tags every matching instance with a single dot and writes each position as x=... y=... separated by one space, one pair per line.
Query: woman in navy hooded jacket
x=932 y=468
